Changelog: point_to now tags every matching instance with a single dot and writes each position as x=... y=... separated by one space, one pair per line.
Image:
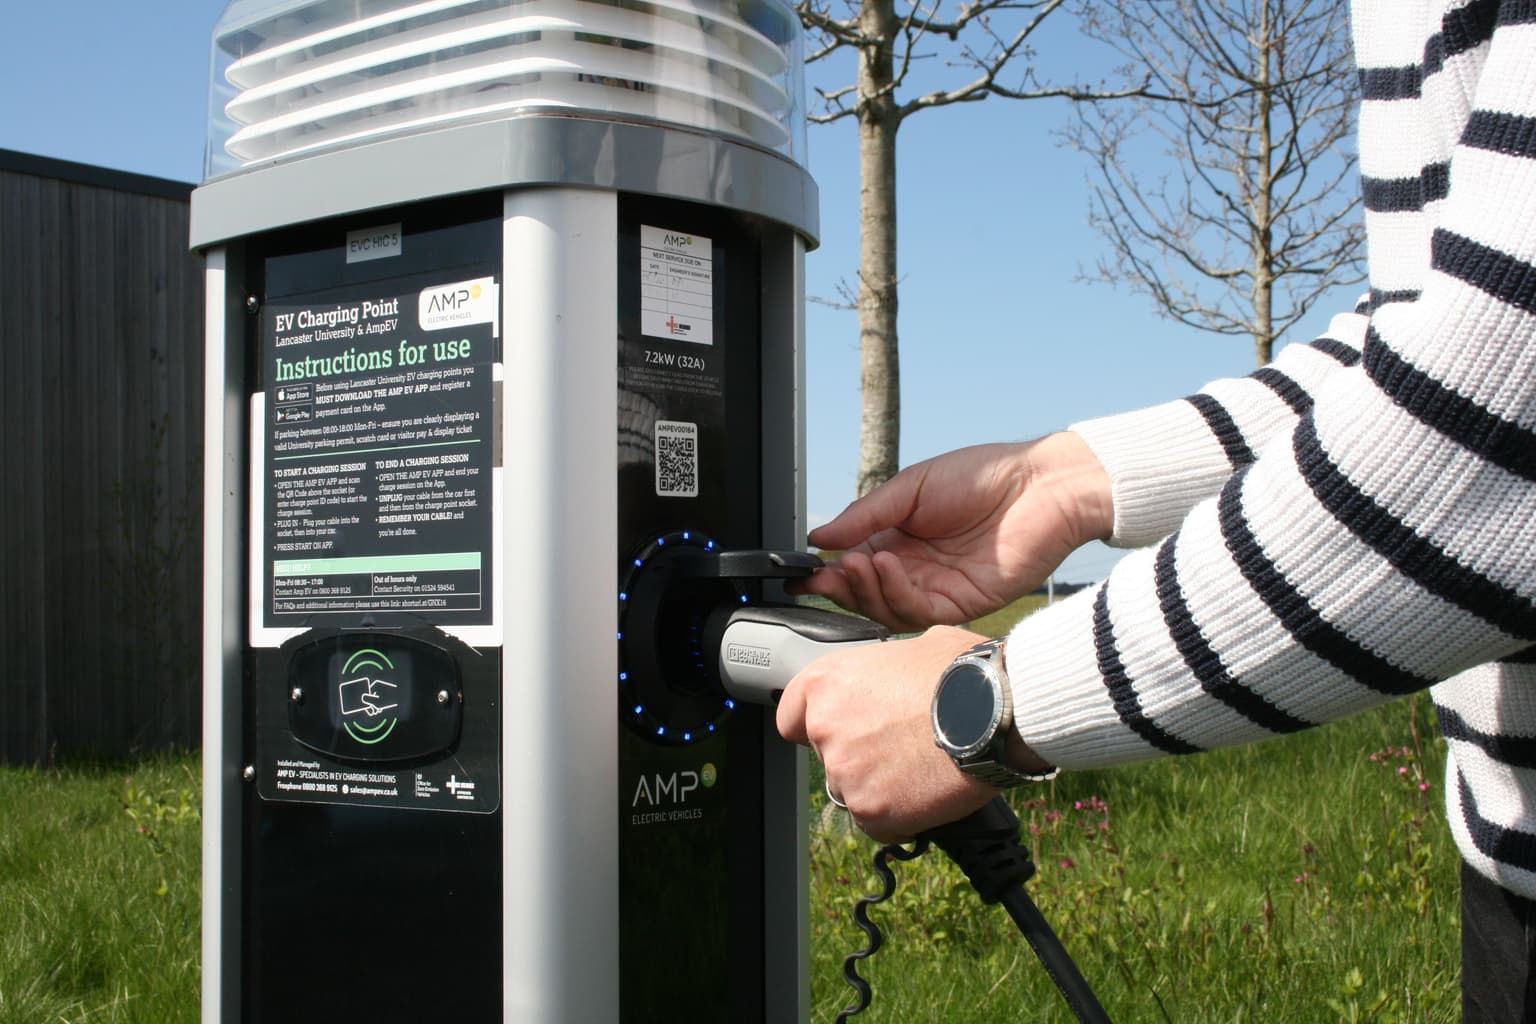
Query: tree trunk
x=1264 y=242
x=880 y=374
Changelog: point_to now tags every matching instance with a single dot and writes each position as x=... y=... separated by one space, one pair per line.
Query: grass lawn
x=99 y=906
x=1307 y=879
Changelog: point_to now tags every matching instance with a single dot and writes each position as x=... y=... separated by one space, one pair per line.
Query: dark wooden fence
x=101 y=398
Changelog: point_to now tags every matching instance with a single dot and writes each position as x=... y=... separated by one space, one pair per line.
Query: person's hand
x=963 y=534
x=866 y=713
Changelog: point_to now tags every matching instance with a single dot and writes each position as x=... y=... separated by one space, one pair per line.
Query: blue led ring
x=642 y=718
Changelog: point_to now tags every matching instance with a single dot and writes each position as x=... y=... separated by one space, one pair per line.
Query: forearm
x=1381 y=546
x=1163 y=460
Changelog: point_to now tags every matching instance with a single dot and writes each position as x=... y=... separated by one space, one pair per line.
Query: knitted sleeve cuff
x=1161 y=461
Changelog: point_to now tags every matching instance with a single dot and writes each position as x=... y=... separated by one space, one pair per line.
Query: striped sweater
x=1356 y=520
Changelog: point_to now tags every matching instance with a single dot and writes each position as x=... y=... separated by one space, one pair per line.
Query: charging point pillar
x=504 y=310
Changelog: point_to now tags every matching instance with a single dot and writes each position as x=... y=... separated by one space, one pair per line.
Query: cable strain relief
x=986 y=847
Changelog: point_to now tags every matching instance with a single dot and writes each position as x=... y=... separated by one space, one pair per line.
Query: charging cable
x=985 y=844
x=760 y=649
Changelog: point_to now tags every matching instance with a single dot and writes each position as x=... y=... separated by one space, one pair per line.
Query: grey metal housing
x=521 y=152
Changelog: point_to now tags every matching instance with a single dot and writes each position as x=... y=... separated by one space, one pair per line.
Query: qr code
x=677 y=459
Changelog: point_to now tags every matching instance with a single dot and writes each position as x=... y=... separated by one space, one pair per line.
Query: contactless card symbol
x=366 y=696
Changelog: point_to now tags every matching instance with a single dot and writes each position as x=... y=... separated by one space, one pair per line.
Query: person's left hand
x=866 y=713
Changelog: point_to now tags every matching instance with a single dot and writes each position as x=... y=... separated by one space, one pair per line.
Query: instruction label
x=378 y=453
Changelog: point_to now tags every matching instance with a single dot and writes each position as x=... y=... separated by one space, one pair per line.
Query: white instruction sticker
x=677 y=282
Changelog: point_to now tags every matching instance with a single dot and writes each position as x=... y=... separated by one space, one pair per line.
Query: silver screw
x=248 y=773
x=442 y=696
x=296 y=695
x=252 y=303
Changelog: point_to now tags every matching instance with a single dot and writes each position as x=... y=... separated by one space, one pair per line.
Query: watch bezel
x=1002 y=707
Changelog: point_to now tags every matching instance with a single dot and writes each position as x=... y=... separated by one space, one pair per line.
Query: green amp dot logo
x=708 y=775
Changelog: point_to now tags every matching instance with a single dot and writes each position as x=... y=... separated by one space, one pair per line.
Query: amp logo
x=669 y=789
x=443 y=302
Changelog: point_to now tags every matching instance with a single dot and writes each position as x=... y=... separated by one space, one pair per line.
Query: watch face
x=965 y=710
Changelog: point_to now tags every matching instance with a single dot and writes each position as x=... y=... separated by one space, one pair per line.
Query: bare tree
x=1251 y=215
x=972 y=40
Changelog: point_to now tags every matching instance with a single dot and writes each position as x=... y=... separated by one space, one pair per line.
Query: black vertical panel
x=691 y=897
x=373 y=914
x=352 y=912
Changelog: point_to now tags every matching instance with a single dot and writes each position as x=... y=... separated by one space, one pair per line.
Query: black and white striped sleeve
x=1165 y=459
x=1381 y=543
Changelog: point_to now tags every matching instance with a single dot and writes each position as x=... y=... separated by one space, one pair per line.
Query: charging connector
x=763 y=647
x=760 y=648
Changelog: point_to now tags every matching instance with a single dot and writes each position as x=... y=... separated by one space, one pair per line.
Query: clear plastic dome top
x=299 y=76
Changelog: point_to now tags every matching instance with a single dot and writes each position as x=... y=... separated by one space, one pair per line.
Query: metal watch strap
x=995 y=773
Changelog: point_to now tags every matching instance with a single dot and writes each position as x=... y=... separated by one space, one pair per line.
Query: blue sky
x=1000 y=340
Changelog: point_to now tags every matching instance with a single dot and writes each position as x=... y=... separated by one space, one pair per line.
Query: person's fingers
x=916 y=608
x=868 y=594
x=789 y=713
x=829 y=581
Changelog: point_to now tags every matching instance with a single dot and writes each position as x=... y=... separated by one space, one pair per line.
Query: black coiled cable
x=986 y=847
x=883 y=857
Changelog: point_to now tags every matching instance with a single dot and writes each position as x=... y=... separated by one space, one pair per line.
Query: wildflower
x=1402 y=769
x=1423 y=787
x=1066 y=864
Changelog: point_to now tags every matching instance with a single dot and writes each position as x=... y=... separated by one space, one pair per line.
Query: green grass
x=1002 y=620
x=99 y=920
x=1299 y=880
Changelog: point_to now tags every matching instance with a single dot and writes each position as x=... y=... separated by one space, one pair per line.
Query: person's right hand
x=963 y=534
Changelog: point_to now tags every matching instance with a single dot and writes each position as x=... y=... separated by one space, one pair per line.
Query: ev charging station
x=504 y=328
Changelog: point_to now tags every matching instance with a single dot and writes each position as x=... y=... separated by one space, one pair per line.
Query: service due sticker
x=677 y=282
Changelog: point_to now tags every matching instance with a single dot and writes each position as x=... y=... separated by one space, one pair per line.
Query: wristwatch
x=973 y=716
